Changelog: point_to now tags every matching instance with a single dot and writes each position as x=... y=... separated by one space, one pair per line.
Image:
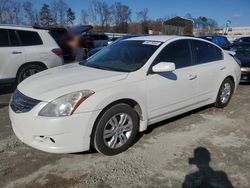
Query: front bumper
x=55 y=135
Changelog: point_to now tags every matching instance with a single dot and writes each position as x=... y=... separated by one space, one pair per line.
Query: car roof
x=241 y=44
x=158 y=38
x=18 y=27
x=162 y=38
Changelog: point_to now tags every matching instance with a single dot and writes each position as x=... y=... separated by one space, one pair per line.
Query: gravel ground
x=159 y=158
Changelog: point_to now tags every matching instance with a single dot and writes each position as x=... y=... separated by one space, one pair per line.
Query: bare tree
x=92 y=14
x=59 y=12
x=29 y=12
x=84 y=16
x=54 y=12
x=14 y=10
x=3 y=7
x=103 y=11
x=142 y=16
x=122 y=16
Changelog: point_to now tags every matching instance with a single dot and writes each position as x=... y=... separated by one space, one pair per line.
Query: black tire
x=23 y=72
x=219 y=101
x=98 y=139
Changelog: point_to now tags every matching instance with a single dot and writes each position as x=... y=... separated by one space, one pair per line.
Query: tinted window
x=177 y=52
x=59 y=34
x=243 y=49
x=13 y=38
x=125 y=56
x=103 y=37
x=4 y=39
x=29 y=38
x=245 y=39
x=205 y=52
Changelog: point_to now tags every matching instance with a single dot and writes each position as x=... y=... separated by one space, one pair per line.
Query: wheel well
x=231 y=78
x=31 y=63
x=132 y=103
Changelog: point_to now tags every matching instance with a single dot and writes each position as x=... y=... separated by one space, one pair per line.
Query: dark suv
x=242 y=50
x=242 y=39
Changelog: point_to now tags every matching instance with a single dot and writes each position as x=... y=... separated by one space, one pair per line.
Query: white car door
x=11 y=54
x=209 y=67
x=170 y=92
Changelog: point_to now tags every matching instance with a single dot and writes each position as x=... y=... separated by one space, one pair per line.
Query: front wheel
x=28 y=71
x=115 y=131
x=225 y=93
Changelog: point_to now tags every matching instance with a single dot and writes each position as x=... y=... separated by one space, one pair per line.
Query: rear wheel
x=28 y=71
x=225 y=93
x=115 y=131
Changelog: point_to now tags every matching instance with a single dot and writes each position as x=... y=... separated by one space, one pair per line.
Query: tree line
x=116 y=17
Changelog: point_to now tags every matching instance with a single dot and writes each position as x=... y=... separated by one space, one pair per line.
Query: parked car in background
x=112 y=39
x=132 y=84
x=63 y=35
x=25 y=51
x=95 y=50
x=242 y=39
x=242 y=52
x=100 y=39
x=221 y=41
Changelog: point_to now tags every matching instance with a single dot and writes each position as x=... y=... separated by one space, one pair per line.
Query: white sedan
x=104 y=101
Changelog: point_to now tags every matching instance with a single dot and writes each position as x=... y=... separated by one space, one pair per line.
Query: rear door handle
x=15 y=52
x=192 y=77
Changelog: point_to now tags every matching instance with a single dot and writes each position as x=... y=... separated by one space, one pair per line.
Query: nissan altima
x=106 y=100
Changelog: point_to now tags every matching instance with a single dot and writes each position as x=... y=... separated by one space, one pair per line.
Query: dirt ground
x=159 y=158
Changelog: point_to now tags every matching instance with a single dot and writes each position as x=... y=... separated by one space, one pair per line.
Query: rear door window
x=13 y=38
x=4 y=38
x=177 y=52
x=29 y=38
x=205 y=52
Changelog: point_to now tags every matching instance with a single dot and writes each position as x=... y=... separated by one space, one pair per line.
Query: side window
x=4 y=38
x=177 y=52
x=29 y=38
x=205 y=52
x=13 y=38
x=103 y=37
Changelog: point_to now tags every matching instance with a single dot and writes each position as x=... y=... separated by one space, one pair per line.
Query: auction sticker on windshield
x=155 y=43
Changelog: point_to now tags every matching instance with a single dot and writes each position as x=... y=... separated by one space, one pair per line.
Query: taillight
x=58 y=52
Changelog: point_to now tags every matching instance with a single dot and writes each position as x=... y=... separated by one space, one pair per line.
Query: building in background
x=178 y=26
x=189 y=26
x=239 y=31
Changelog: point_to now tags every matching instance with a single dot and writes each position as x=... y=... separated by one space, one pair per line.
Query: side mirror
x=164 y=67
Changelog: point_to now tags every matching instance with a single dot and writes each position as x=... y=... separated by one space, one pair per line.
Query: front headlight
x=65 y=105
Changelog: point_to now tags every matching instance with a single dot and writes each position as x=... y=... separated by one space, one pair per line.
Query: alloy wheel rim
x=117 y=130
x=29 y=73
x=225 y=93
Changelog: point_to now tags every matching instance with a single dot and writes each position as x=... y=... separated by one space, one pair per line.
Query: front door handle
x=192 y=77
x=15 y=52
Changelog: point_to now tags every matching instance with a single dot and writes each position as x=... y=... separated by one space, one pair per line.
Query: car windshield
x=124 y=56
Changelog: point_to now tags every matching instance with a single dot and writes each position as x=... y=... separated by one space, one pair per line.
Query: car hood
x=53 y=83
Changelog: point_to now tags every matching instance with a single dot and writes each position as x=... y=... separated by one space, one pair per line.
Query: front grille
x=21 y=103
